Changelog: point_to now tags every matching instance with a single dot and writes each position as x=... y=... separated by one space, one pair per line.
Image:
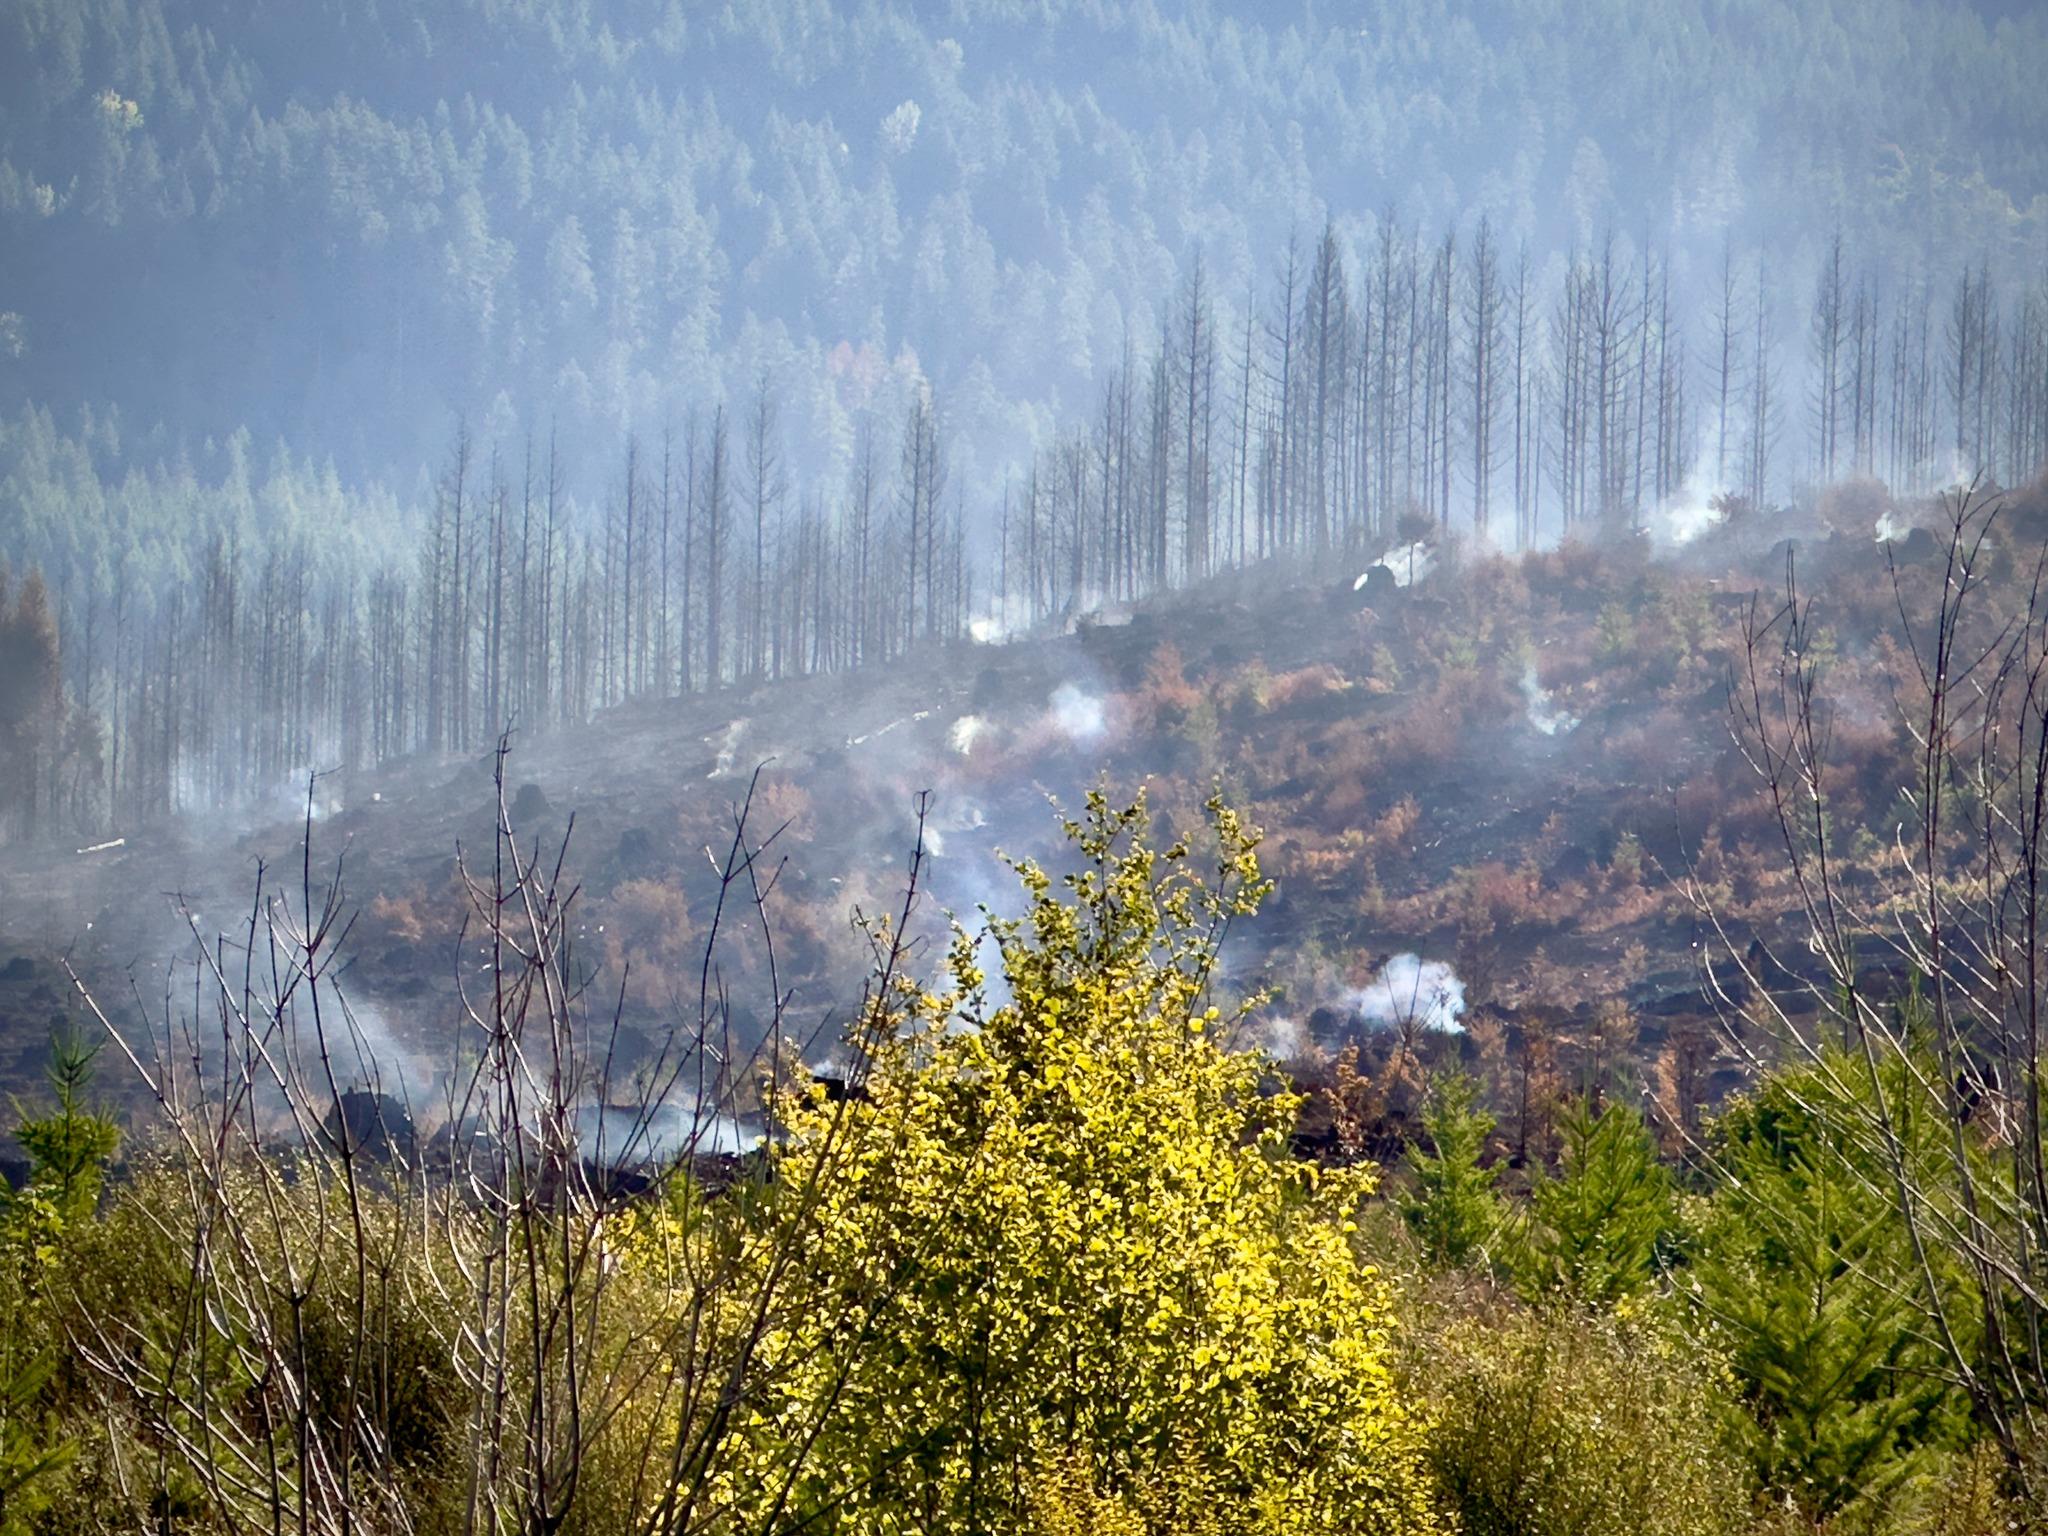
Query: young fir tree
x=1809 y=1281
x=68 y=1149
x=1453 y=1210
x=1600 y=1220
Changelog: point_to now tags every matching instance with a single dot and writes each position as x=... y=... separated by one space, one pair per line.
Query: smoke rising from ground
x=966 y=730
x=728 y=749
x=1078 y=715
x=1282 y=1036
x=1542 y=714
x=630 y=1134
x=1411 y=990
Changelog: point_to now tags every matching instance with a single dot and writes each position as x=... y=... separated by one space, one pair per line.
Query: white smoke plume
x=952 y=815
x=728 y=749
x=1077 y=715
x=1688 y=511
x=965 y=732
x=1684 y=518
x=1281 y=1036
x=381 y=1061
x=1412 y=990
x=1946 y=469
x=1545 y=716
x=1407 y=565
x=627 y=1135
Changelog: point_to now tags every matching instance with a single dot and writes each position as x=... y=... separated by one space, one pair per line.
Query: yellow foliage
x=1063 y=1232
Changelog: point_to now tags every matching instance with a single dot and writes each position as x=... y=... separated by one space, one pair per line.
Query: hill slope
x=1507 y=768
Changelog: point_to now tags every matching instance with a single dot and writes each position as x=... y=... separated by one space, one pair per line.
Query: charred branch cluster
x=1921 y=1001
x=312 y=1212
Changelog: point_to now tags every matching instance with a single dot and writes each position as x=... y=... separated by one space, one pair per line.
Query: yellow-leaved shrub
x=1062 y=1231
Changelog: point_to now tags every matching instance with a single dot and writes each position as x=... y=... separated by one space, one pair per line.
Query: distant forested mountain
x=340 y=224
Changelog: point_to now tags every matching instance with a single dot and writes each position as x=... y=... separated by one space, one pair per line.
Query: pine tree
x=1453 y=1210
x=1808 y=1281
x=68 y=1151
x=1599 y=1223
x=69 y=1147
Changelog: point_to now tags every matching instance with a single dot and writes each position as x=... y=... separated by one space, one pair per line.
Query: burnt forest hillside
x=1024 y=767
x=1505 y=800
